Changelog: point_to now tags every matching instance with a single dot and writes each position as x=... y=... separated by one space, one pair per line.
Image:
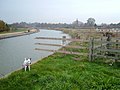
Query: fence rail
x=64 y=39
x=104 y=56
x=73 y=39
x=64 y=52
x=112 y=48
x=67 y=46
x=99 y=50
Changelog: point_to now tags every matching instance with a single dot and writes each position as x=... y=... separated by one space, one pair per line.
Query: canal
x=14 y=50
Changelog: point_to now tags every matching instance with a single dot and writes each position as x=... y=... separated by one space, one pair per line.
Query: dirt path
x=15 y=34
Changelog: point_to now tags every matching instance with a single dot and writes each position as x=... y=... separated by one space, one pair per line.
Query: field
x=65 y=72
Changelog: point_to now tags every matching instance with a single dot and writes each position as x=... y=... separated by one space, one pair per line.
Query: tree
x=91 y=22
x=4 y=26
x=104 y=25
x=7 y=27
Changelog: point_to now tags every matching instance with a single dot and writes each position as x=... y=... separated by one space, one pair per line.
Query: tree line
x=75 y=24
x=4 y=26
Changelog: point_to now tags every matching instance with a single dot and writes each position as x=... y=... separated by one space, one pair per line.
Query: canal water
x=14 y=50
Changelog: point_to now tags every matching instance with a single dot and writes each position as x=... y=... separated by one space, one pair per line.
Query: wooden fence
x=63 y=45
x=104 y=48
x=97 y=47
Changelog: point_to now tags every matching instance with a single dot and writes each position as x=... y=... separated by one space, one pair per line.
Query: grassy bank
x=18 y=32
x=58 y=72
x=64 y=72
x=15 y=30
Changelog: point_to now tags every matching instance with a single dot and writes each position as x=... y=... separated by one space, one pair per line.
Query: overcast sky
x=64 y=11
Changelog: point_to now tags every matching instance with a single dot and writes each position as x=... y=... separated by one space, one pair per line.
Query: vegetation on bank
x=12 y=30
x=19 y=29
x=58 y=72
x=65 y=72
x=4 y=26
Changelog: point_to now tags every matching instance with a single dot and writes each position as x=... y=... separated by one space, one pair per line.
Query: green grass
x=61 y=72
x=20 y=30
x=83 y=44
x=65 y=72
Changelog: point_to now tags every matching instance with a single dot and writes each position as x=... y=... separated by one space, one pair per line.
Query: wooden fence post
x=108 y=44
x=91 y=49
x=117 y=46
x=101 y=41
x=108 y=39
x=64 y=41
x=101 y=45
